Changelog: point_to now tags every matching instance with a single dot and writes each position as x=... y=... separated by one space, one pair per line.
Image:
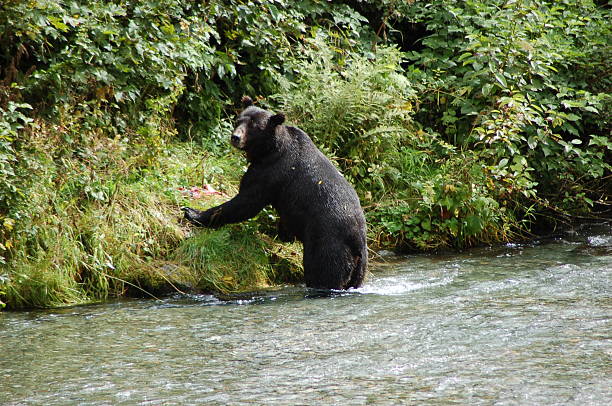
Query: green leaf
x=57 y=23
x=426 y=224
x=486 y=89
x=532 y=142
x=501 y=79
x=464 y=56
x=573 y=117
x=601 y=141
x=274 y=13
x=473 y=225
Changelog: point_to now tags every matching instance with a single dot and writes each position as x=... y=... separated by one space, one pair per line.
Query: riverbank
x=127 y=238
x=130 y=241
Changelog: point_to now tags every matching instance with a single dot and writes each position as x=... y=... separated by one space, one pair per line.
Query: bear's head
x=255 y=127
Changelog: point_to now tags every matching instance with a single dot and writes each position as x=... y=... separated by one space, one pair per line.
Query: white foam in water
x=599 y=241
x=390 y=286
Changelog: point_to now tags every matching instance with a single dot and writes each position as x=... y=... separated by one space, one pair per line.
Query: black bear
x=315 y=203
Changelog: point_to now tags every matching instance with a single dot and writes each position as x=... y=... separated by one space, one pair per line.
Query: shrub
x=520 y=83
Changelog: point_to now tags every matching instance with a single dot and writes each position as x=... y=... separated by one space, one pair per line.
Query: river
x=520 y=324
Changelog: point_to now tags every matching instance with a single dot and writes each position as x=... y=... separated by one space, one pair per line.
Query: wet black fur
x=315 y=203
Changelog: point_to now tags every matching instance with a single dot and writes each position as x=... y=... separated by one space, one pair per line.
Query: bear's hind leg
x=358 y=272
x=328 y=265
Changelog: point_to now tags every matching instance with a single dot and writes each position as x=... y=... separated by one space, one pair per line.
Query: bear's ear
x=276 y=120
x=246 y=101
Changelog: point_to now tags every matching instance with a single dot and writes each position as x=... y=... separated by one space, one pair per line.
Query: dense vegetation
x=459 y=122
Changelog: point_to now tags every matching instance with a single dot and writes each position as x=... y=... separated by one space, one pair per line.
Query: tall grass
x=80 y=240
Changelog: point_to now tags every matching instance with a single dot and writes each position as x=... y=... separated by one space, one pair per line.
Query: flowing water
x=511 y=325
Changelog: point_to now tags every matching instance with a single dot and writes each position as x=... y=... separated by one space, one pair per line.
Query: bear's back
x=312 y=194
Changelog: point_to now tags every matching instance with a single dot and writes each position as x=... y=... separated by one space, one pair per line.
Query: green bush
x=128 y=56
x=520 y=83
x=441 y=201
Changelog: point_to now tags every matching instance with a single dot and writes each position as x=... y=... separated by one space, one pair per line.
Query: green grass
x=75 y=250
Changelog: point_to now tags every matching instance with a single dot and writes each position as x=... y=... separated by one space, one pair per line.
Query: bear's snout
x=238 y=138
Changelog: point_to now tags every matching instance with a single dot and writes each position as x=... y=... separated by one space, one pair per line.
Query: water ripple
x=508 y=325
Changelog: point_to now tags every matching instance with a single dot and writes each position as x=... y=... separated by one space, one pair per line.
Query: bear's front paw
x=193 y=216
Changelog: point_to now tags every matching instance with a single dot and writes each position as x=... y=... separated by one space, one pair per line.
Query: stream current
x=510 y=325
